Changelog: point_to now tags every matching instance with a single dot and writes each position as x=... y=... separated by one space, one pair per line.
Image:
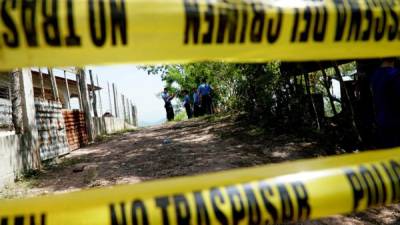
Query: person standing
x=196 y=103
x=204 y=91
x=168 y=105
x=385 y=87
x=186 y=104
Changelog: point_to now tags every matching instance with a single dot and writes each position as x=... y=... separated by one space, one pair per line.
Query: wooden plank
x=68 y=94
x=42 y=84
x=54 y=87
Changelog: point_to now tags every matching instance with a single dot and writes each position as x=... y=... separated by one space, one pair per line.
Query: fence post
x=78 y=85
x=115 y=100
x=134 y=115
x=94 y=99
x=109 y=98
x=128 y=111
x=101 y=105
x=123 y=107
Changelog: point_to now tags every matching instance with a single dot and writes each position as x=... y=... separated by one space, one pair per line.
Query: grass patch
x=255 y=131
x=181 y=116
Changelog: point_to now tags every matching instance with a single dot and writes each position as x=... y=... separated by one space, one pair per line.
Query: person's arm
x=171 y=97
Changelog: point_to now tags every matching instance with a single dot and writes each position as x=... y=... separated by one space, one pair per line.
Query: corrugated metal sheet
x=51 y=128
x=76 y=128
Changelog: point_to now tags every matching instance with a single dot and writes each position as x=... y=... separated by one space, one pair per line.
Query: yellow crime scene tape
x=83 y=32
x=272 y=194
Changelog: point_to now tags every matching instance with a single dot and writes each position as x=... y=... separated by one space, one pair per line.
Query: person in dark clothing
x=168 y=105
x=186 y=104
x=204 y=91
x=385 y=87
x=196 y=103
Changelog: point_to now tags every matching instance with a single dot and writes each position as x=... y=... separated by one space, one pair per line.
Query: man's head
x=204 y=80
x=185 y=92
x=194 y=89
x=165 y=89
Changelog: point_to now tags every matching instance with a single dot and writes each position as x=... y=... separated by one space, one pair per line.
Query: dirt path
x=185 y=148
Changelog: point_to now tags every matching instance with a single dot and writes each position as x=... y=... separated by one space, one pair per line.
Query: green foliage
x=180 y=116
x=236 y=87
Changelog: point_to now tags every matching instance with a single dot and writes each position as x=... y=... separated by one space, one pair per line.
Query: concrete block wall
x=11 y=162
x=109 y=125
x=51 y=128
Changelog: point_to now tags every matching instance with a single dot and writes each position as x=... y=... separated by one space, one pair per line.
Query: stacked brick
x=75 y=128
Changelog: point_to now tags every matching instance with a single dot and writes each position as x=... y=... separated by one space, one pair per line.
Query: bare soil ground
x=184 y=148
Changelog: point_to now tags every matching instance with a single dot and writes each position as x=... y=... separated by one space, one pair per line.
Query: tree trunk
x=347 y=96
x=307 y=81
x=326 y=85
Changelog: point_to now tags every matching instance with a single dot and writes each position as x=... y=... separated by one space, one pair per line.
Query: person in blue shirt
x=186 y=104
x=385 y=87
x=204 y=91
x=168 y=105
x=196 y=103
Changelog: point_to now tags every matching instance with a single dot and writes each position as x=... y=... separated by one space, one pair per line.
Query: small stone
x=79 y=167
x=166 y=141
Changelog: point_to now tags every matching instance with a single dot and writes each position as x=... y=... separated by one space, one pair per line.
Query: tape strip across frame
x=83 y=32
x=294 y=191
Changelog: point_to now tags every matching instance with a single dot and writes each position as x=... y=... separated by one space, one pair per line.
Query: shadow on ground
x=188 y=148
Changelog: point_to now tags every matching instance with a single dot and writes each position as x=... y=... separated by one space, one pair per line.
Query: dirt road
x=178 y=149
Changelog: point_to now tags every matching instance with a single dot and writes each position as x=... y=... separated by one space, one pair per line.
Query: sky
x=143 y=89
